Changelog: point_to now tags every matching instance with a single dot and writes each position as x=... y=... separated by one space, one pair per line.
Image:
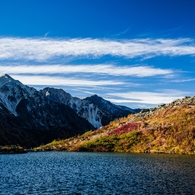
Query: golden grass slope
x=168 y=128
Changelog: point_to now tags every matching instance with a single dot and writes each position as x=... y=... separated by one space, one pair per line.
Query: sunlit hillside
x=167 y=128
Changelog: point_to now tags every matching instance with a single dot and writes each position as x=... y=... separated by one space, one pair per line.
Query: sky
x=135 y=53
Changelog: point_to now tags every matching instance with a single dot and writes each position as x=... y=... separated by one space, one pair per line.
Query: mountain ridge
x=49 y=112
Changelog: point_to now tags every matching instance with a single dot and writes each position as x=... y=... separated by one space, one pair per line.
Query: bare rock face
x=109 y=110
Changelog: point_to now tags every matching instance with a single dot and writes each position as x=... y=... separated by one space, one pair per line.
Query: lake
x=58 y=173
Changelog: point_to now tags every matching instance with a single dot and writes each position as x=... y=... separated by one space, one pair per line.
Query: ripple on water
x=53 y=173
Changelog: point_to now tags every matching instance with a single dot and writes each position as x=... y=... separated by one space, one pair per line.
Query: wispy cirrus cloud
x=106 y=69
x=49 y=62
x=143 y=97
x=121 y=33
x=46 y=49
x=182 y=80
x=34 y=80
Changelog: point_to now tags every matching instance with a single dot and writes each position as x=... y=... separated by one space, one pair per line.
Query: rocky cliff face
x=109 y=110
x=32 y=116
x=83 y=108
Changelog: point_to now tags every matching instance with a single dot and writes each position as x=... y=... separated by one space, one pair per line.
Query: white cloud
x=114 y=70
x=61 y=81
x=182 y=80
x=154 y=98
x=45 y=49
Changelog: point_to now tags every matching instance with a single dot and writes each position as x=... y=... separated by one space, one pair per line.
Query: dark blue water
x=72 y=173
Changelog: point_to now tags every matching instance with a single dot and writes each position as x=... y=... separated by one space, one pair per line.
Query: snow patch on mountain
x=12 y=91
x=83 y=108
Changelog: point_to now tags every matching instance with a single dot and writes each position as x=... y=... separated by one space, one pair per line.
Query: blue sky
x=134 y=53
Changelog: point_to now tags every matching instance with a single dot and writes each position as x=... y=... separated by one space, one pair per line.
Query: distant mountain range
x=29 y=117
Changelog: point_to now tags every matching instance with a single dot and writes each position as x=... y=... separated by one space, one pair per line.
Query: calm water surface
x=72 y=173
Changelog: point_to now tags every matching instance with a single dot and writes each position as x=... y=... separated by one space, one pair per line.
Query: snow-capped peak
x=5 y=79
x=12 y=91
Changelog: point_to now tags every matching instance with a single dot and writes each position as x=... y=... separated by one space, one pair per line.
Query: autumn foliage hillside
x=167 y=128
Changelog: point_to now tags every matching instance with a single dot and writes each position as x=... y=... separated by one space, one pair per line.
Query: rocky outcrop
x=190 y=101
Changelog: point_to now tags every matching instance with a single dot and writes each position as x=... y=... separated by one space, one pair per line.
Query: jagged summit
x=5 y=79
x=111 y=110
x=12 y=92
x=6 y=76
x=97 y=97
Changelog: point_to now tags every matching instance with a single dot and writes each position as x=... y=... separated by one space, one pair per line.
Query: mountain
x=109 y=110
x=12 y=91
x=30 y=117
x=94 y=109
x=83 y=108
x=168 y=128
